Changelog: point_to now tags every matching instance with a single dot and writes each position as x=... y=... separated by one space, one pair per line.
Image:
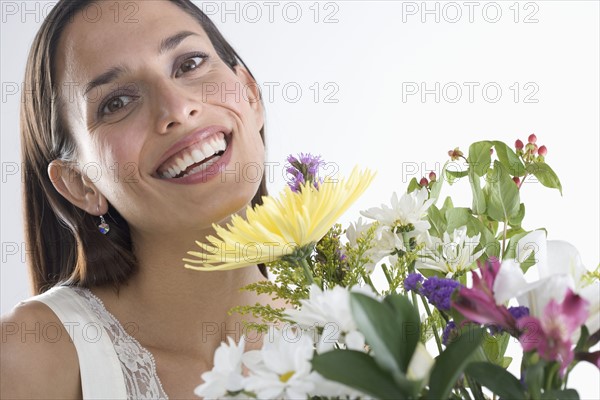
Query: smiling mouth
x=193 y=159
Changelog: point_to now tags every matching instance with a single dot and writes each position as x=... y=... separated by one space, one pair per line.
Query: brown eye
x=189 y=65
x=116 y=103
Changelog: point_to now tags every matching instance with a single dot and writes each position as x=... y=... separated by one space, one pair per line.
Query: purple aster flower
x=439 y=291
x=304 y=168
x=450 y=327
x=518 y=312
x=412 y=282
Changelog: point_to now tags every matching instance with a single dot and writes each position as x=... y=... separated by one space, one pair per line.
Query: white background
x=368 y=52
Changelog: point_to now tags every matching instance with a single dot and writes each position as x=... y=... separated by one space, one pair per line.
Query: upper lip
x=193 y=138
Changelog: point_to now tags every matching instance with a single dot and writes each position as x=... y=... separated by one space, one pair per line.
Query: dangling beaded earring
x=103 y=227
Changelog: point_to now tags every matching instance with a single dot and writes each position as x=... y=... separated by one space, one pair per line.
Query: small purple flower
x=439 y=291
x=412 y=282
x=302 y=169
x=518 y=312
x=450 y=327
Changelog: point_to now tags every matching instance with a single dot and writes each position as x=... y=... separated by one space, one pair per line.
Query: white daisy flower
x=453 y=254
x=329 y=310
x=410 y=209
x=226 y=375
x=282 y=368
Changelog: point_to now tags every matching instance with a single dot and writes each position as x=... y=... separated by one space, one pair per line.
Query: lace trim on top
x=137 y=363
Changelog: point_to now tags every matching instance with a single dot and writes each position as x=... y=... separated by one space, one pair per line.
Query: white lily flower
x=226 y=374
x=409 y=209
x=420 y=364
x=454 y=253
x=557 y=267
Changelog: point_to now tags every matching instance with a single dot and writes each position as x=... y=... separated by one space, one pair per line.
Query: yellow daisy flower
x=279 y=226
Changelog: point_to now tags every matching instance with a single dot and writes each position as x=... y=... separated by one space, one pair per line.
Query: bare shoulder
x=38 y=359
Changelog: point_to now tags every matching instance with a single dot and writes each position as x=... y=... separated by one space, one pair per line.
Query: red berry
x=423 y=182
x=542 y=151
x=532 y=138
x=432 y=176
x=518 y=144
x=517 y=180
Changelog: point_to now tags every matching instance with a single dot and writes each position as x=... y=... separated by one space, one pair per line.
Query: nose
x=174 y=106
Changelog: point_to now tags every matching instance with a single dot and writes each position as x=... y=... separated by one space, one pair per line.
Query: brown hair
x=65 y=243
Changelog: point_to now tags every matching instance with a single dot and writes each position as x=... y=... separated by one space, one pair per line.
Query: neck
x=176 y=308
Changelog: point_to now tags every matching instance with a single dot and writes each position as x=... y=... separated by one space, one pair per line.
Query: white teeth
x=181 y=164
x=197 y=155
x=203 y=167
x=207 y=150
x=188 y=160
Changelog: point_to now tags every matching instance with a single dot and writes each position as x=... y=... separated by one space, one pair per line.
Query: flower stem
x=369 y=282
x=438 y=342
x=505 y=223
x=307 y=272
x=387 y=274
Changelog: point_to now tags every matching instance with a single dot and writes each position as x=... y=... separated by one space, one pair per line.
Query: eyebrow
x=114 y=72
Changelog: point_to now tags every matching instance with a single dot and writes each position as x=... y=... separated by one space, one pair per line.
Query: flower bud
x=518 y=144
x=455 y=154
x=432 y=176
x=542 y=151
x=532 y=138
x=423 y=181
x=517 y=180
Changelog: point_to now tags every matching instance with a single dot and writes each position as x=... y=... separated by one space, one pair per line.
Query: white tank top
x=112 y=363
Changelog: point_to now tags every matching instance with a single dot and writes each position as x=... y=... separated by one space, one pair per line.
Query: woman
x=133 y=136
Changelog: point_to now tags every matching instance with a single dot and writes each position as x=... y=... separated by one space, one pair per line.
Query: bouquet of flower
x=463 y=280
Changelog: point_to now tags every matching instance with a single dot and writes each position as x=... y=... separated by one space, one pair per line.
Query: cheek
x=119 y=160
x=229 y=92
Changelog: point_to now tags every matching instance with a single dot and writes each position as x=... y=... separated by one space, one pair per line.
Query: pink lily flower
x=478 y=303
x=550 y=335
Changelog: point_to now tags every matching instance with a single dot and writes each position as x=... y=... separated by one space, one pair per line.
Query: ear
x=251 y=93
x=76 y=188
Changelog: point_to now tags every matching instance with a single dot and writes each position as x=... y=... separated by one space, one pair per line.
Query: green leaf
x=545 y=175
x=453 y=176
x=446 y=206
x=479 y=157
x=384 y=331
x=534 y=376
x=583 y=338
x=515 y=220
x=358 y=370
x=408 y=324
x=457 y=217
x=451 y=363
x=491 y=348
x=413 y=185
x=437 y=221
x=479 y=205
x=568 y=394
x=509 y=159
x=503 y=195
x=497 y=379
x=436 y=188
x=506 y=362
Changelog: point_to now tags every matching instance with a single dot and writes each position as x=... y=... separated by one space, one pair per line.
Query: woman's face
x=162 y=107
